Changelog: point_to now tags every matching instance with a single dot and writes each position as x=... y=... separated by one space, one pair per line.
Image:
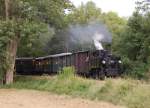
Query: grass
x=126 y=92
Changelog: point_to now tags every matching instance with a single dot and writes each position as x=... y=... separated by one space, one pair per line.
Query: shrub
x=135 y=69
x=67 y=72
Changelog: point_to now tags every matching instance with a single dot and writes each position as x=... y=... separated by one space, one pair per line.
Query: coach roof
x=56 y=55
x=25 y=58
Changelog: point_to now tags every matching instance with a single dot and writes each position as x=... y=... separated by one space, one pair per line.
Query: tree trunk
x=7 y=2
x=11 y=51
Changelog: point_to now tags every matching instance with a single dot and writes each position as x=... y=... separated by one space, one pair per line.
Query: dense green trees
x=134 y=42
x=25 y=20
x=83 y=16
x=15 y=16
x=51 y=12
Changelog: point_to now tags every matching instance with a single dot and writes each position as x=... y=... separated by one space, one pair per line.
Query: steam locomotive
x=94 y=64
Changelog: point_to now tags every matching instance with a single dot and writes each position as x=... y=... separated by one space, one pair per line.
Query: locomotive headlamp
x=119 y=61
x=103 y=62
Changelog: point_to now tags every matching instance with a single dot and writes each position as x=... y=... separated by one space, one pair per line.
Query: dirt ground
x=36 y=99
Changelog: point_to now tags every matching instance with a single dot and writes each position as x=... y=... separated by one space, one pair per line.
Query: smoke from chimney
x=97 y=41
x=88 y=33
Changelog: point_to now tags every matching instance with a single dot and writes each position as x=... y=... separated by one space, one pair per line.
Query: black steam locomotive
x=95 y=64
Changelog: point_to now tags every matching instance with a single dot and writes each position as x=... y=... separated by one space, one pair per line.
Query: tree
x=12 y=30
x=87 y=13
x=116 y=26
x=58 y=43
x=84 y=14
x=134 y=42
x=23 y=18
x=52 y=12
x=135 y=37
x=35 y=46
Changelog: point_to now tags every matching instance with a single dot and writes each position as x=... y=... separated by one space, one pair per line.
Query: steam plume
x=89 y=33
x=97 y=38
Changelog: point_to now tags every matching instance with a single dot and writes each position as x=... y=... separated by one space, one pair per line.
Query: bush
x=127 y=64
x=68 y=83
x=67 y=72
x=135 y=69
x=140 y=70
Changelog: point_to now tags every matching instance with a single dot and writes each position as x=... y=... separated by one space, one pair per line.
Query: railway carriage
x=81 y=62
x=25 y=66
x=59 y=61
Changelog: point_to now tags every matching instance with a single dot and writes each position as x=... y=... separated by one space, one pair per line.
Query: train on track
x=92 y=64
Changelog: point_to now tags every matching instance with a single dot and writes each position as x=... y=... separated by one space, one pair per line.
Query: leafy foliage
x=7 y=31
x=52 y=13
x=82 y=16
x=27 y=20
x=134 y=44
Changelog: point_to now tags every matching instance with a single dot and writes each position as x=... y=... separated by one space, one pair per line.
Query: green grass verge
x=127 y=92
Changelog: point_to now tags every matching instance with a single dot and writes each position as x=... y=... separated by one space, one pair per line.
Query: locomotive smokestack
x=97 y=41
